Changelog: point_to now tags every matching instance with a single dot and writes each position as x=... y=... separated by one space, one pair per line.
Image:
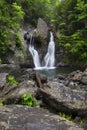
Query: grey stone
x=65 y=99
x=84 y=77
x=17 y=117
x=7 y=68
x=3 y=79
x=75 y=75
x=42 y=28
x=84 y=80
x=12 y=94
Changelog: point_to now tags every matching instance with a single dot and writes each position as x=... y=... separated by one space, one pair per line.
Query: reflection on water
x=56 y=71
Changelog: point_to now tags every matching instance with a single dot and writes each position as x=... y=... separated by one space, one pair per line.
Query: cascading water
x=49 y=58
x=34 y=53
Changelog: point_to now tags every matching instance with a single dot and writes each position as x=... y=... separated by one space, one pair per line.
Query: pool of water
x=55 y=71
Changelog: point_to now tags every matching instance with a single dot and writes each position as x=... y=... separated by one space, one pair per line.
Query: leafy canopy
x=10 y=18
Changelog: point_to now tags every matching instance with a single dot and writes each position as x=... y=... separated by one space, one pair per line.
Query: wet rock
x=62 y=98
x=26 y=118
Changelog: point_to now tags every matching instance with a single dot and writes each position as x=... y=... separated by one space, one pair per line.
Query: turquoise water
x=57 y=71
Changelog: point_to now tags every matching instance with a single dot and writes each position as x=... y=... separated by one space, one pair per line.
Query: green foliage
x=68 y=16
x=1 y=103
x=81 y=7
x=10 y=18
x=68 y=117
x=38 y=8
x=29 y=100
x=17 y=15
x=33 y=9
x=73 y=29
x=11 y=80
x=18 y=41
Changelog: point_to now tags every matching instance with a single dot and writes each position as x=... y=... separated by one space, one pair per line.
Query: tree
x=10 y=17
x=73 y=29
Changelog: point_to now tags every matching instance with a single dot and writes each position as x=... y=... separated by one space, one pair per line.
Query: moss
x=29 y=100
x=11 y=80
x=66 y=116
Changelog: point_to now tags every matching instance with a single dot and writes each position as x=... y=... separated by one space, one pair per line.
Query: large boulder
x=64 y=99
x=12 y=93
x=26 y=118
x=42 y=28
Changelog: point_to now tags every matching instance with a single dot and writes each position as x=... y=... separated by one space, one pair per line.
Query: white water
x=34 y=54
x=49 y=57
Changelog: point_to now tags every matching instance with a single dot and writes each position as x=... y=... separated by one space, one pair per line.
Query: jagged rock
x=3 y=77
x=15 y=57
x=75 y=76
x=16 y=117
x=77 y=79
x=12 y=94
x=7 y=68
x=42 y=28
x=65 y=99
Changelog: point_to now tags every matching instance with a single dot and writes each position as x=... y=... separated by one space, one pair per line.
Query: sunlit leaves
x=81 y=8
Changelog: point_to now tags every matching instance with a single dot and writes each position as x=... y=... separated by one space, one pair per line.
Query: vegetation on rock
x=72 y=24
x=11 y=15
x=28 y=100
x=1 y=103
x=66 y=116
x=11 y=80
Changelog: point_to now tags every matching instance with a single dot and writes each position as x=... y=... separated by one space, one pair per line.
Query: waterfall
x=49 y=57
x=34 y=53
